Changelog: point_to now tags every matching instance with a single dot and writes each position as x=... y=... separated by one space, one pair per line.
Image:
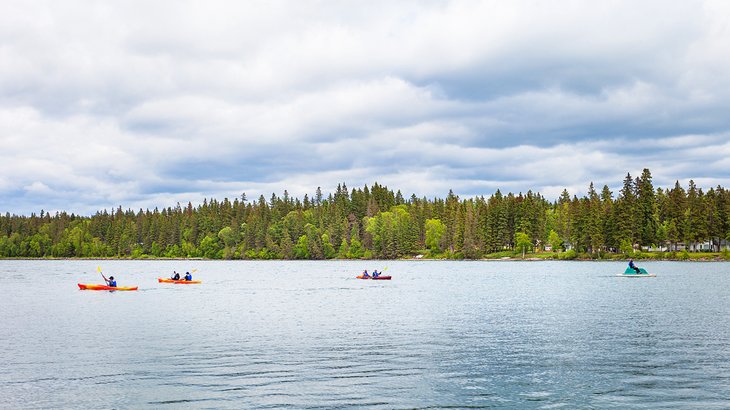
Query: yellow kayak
x=180 y=281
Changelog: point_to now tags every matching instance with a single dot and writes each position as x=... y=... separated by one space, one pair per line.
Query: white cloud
x=38 y=187
x=148 y=104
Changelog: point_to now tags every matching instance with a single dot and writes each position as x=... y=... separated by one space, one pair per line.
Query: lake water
x=309 y=335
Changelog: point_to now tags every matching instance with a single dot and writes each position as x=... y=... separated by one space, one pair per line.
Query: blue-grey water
x=309 y=335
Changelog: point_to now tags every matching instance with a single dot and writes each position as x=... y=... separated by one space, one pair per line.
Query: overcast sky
x=146 y=104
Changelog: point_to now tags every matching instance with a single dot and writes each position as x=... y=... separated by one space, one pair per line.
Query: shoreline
x=501 y=259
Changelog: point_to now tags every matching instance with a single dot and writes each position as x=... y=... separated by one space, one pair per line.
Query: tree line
x=376 y=222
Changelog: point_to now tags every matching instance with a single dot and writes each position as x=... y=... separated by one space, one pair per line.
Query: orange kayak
x=378 y=278
x=181 y=281
x=86 y=286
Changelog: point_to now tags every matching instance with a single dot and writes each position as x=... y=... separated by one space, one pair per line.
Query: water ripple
x=254 y=335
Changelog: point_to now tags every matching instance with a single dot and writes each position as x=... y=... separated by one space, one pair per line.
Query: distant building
x=706 y=246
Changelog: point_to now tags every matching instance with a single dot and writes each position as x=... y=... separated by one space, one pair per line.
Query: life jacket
x=188 y=277
x=176 y=277
x=112 y=284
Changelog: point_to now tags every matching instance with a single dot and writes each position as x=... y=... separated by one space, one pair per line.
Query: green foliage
x=210 y=247
x=435 y=230
x=454 y=255
x=570 y=254
x=227 y=236
x=301 y=250
x=626 y=248
x=375 y=222
x=586 y=256
x=344 y=251
x=393 y=233
x=554 y=240
x=138 y=252
x=523 y=243
x=725 y=254
x=251 y=254
x=328 y=249
x=356 y=250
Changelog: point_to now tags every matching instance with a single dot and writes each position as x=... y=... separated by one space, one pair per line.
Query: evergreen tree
x=625 y=213
x=696 y=221
x=647 y=212
x=594 y=221
x=675 y=214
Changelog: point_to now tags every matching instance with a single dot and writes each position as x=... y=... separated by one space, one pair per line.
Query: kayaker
x=376 y=273
x=634 y=267
x=365 y=274
x=188 y=276
x=175 y=276
x=111 y=282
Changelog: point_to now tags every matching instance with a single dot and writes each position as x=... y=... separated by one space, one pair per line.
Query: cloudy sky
x=146 y=104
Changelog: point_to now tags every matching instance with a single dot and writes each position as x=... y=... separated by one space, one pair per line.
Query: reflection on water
x=308 y=334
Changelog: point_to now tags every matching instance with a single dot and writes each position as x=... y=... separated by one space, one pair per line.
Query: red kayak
x=370 y=277
x=86 y=286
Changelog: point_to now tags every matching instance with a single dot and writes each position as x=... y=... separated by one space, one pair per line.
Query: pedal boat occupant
x=634 y=267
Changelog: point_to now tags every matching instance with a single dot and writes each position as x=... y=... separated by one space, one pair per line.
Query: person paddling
x=634 y=267
x=376 y=273
x=188 y=276
x=175 y=275
x=109 y=282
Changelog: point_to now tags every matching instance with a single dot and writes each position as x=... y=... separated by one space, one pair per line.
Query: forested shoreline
x=376 y=222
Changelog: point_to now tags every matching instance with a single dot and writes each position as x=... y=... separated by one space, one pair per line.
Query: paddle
x=98 y=269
